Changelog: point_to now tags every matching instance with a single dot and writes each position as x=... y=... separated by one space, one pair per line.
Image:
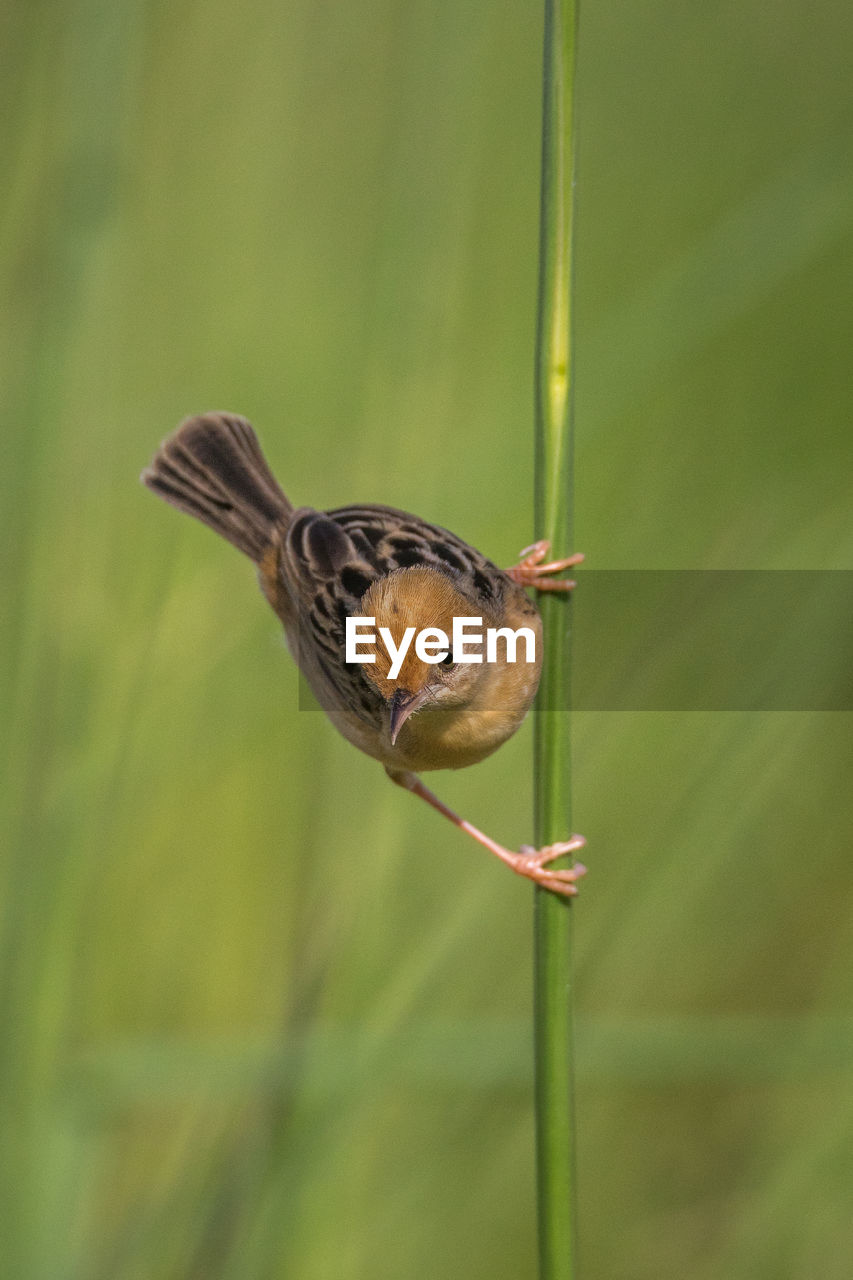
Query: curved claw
x=533 y=863
x=530 y=571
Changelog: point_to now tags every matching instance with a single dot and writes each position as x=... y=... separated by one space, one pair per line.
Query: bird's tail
x=212 y=467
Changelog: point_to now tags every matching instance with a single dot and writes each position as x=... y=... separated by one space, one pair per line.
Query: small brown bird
x=319 y=568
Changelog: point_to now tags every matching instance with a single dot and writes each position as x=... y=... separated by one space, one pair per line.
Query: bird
x=319 y=569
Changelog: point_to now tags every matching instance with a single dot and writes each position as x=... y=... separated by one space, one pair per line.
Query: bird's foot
x=535 y=864
x=529 y=862
x=531 y=572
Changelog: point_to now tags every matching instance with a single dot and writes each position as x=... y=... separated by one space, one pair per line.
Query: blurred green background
x=262 y=1015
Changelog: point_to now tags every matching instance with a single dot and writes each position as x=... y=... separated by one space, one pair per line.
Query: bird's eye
x=447 y=660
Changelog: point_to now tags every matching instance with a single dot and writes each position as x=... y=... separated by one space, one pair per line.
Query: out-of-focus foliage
x=263 y=1016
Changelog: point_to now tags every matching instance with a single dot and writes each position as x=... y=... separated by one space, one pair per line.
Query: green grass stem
x=554 y=395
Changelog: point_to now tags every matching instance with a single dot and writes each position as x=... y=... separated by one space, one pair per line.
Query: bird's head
x=413 y=601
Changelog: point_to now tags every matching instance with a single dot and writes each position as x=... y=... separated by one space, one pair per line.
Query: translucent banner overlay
x=708 y=640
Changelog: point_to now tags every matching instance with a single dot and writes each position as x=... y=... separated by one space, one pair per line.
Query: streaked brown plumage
x=318 y=568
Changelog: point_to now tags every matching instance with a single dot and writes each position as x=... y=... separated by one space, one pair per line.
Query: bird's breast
x=452 y=738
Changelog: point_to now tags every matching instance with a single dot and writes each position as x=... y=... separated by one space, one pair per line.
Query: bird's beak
x=403 y=704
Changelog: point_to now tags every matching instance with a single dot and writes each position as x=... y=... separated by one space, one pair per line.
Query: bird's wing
x=388 y=539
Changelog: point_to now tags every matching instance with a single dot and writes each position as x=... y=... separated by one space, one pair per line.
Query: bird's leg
x=533 y=863
x=530 y=570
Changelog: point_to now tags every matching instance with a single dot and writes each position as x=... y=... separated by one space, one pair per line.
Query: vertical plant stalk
x=555 y=1158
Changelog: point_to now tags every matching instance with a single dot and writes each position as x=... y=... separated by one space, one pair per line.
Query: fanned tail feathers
x=212 y=467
